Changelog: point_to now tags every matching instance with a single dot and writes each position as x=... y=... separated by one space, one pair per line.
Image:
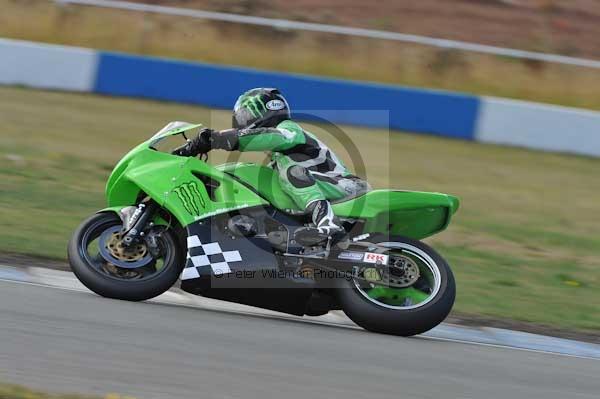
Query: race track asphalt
x=69 y=341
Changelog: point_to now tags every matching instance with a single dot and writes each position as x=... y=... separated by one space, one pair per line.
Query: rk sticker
x=371 y=257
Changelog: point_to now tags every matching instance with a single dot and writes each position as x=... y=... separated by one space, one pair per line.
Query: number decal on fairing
x=191 y=198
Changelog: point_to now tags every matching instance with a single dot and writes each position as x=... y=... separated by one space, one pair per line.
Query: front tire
x=379 y=317
x=155 y=274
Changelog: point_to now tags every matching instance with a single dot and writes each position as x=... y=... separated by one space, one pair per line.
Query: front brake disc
x=112 y=250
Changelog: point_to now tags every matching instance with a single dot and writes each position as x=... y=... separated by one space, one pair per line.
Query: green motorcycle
x=228 y=232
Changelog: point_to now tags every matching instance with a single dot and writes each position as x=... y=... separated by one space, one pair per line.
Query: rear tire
x=102 y=283
x=404 y=322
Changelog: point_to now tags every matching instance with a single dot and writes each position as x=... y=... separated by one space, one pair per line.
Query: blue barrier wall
x=415 y=110
x=485 y=119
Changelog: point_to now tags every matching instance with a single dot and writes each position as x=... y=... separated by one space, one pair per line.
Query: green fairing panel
x=409 y=213
x=264 y=180
x=174 y=183
x=412 y=214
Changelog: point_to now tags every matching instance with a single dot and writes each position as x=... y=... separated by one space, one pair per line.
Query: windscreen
x=172 y=136
x=173 y=128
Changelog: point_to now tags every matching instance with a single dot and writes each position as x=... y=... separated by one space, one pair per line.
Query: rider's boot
x=324 y=222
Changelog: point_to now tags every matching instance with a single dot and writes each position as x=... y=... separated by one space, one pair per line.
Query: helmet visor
x=242 y=117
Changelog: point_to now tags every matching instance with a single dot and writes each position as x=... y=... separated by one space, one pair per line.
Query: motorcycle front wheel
x=409 y=309
x=105 y=266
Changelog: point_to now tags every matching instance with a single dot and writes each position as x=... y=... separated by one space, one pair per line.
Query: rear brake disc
x=402 y=272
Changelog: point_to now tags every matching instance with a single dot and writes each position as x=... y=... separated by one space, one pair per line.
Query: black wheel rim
x=96 y=257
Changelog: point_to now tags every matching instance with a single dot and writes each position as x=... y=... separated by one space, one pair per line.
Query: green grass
x=302 y=52
x=524 y=244
x=9 y=391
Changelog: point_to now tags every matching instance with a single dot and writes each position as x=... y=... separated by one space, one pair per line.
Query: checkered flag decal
x=204 y=255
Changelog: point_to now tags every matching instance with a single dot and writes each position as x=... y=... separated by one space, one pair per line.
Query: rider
x=310 y=173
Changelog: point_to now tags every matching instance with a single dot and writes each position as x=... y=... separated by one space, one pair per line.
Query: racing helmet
x=260 y=107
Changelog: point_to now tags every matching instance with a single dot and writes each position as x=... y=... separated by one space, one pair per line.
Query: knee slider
x=300 y=177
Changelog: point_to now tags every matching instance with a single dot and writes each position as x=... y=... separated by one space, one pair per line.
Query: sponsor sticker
x=191 y=198
x=351 y=255
x=371 y=257
x=275 y=105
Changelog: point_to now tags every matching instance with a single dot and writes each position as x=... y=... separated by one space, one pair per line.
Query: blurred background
x=525 y=245
x=567 y=28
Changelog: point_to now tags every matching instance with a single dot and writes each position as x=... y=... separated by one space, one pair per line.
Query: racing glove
x=197 y=145
x=209 y=139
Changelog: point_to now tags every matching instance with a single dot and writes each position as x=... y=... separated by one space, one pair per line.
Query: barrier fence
x=337 y=29
x=484 y=119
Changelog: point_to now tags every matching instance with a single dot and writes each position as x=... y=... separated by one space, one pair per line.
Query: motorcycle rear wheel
x=414 y=312
x=146 y=276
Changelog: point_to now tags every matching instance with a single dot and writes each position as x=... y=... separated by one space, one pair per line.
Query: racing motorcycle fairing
x=221 y=265
x=413 y=214
x=190 y=189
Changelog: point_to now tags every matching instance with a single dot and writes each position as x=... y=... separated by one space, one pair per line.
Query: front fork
x=134 y=223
